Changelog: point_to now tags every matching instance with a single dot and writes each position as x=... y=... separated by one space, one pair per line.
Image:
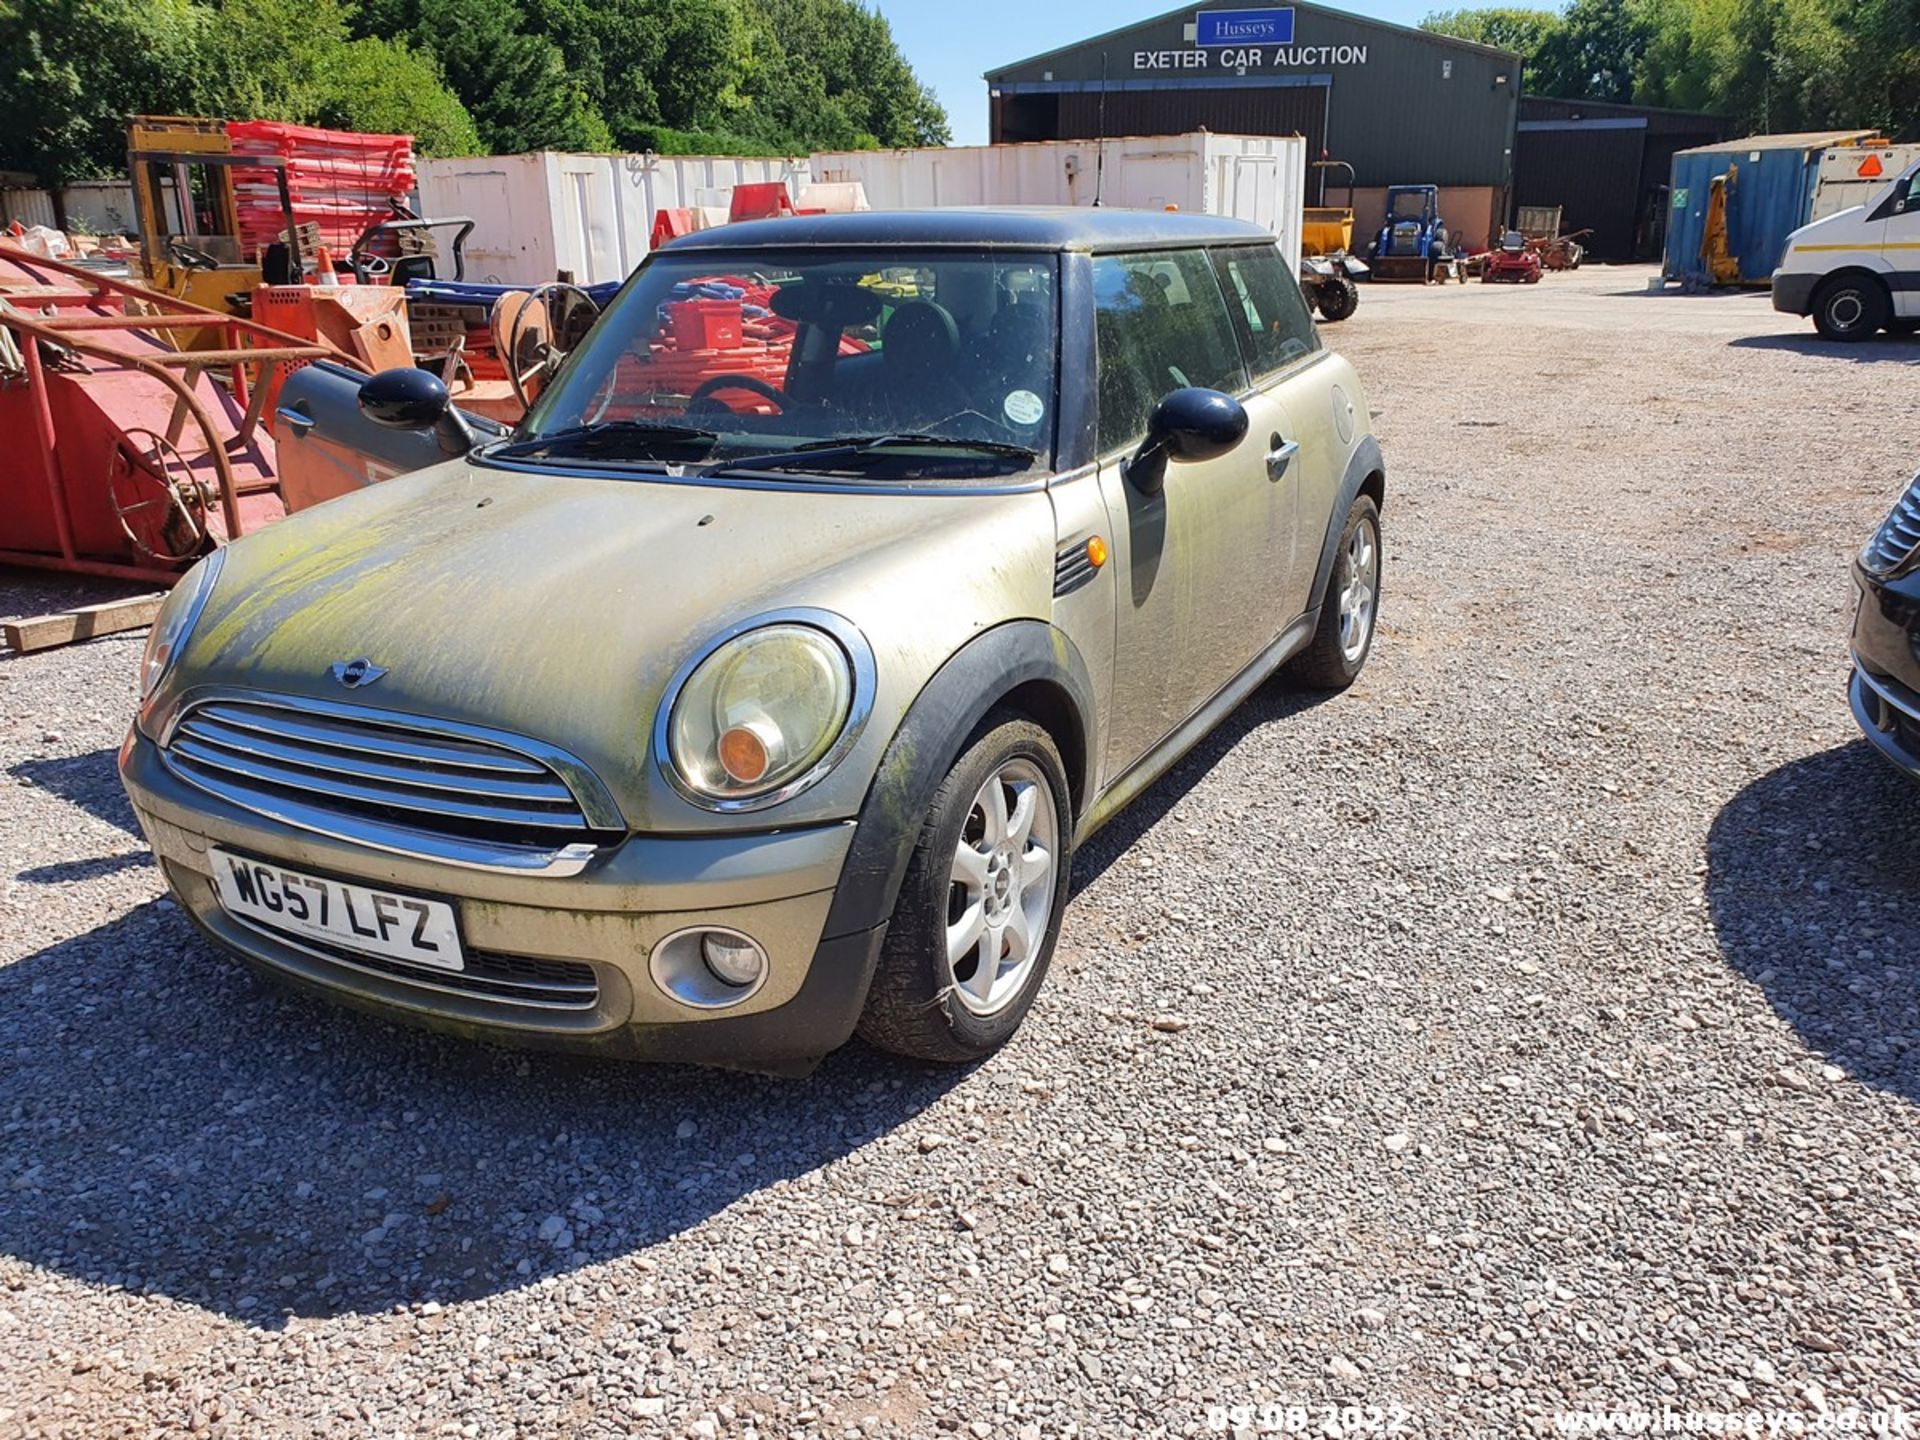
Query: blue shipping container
x=1769 y=196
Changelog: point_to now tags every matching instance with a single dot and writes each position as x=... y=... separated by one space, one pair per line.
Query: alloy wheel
x=1362 y=588
x=1000 y=902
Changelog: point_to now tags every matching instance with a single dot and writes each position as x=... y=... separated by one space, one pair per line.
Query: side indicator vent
x=1076 y=562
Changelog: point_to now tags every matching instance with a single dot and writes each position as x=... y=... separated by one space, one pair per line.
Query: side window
x=1279 y=324
x=1161 y=323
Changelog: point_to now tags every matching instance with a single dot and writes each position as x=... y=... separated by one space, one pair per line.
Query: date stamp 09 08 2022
x=1328 y=1420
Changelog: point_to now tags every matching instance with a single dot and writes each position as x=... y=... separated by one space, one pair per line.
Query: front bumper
x=1793 y=292
x=1885 y=690
x=776 y=887
x=1889 y=716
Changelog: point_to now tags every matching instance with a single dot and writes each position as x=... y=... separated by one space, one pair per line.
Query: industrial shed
x=1402 y=106
x=1606 y=167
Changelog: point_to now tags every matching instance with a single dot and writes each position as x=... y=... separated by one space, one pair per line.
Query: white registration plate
x=354 y=917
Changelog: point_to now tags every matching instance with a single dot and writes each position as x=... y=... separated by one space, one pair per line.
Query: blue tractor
x=1413 y=244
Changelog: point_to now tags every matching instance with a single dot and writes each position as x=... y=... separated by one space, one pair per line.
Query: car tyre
x=983 y=883
x=1851 y=307
x=1350 y=609
x=1338 y=298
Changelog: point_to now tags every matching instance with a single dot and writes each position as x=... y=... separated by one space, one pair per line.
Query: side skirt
x=1163 y=756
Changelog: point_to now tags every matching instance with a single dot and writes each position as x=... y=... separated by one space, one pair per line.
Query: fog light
x=734 y=959
x=708 y=967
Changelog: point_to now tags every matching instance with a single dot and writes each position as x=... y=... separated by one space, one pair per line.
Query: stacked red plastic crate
x=340 y=181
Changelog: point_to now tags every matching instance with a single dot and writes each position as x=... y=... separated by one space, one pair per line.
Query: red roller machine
x=129 y=458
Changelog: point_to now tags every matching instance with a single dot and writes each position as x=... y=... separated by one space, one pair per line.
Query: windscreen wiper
x=642 y=435
x=823 y=453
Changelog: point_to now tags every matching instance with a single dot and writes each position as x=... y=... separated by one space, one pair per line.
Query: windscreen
x=882 y=353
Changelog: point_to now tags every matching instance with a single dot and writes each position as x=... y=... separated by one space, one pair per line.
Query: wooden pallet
x=85 y=622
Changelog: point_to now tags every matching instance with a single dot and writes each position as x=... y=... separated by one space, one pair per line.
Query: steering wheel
x=184 y=254
x=161 y=506
x=704 y=392
x=535 y=330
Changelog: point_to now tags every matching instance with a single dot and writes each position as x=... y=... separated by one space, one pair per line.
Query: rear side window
x=1279 y=326
x=1161 y=324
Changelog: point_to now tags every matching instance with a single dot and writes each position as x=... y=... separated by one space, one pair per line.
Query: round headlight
x=176 y=621
x=759 y=716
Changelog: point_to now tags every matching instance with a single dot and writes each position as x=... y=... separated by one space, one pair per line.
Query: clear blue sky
x=951 y=43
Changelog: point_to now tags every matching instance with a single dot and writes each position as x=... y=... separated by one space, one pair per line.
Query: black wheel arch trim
x=962 y=693
x=1364 y=462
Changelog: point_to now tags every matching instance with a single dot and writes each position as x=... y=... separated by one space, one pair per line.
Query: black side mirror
x=407 y=399
x=1189 y=424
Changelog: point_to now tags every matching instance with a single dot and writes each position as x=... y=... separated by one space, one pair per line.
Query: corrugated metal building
x=1770 y=184
x=1606 y=167
x=1403 y=106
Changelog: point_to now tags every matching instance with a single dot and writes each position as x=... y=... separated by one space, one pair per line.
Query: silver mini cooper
x=757 y=688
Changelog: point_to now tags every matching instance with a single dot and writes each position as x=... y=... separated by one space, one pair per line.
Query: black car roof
x=1064 y=227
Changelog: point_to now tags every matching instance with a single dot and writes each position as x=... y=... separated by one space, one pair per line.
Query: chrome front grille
x=1899 y=535
x=392 y=781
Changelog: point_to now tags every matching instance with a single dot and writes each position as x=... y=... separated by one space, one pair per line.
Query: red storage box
x=706 y=324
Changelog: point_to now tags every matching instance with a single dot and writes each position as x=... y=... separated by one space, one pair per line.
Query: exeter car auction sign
x=1239 y=41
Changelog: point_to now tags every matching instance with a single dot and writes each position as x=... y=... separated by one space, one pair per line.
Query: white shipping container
x=1261 y=178
x=592 y=215
x=1841 y=183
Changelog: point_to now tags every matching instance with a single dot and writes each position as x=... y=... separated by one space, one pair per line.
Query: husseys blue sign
x=1243 y=27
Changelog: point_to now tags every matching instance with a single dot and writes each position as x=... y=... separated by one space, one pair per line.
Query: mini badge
x=355 y=673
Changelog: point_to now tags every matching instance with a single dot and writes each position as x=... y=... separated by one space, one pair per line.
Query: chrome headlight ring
x=861 y=671
x=175 y=623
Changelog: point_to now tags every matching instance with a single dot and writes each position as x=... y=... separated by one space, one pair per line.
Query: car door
x=1191 y=587
x=324 y=446
x=1294 y=412
x=1900 y=242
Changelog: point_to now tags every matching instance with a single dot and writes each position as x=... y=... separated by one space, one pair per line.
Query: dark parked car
x=1886 y=635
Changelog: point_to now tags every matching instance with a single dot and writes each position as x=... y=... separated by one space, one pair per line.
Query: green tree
x=1527 y=33
x=515 y=83
x=1766 y=64
x=71 y=71
x=1598 y=52
x=386 y=88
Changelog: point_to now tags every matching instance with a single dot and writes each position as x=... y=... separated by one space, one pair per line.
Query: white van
x=1858 y=271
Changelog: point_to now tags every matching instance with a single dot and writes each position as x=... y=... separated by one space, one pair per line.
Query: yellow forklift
x=189 y=226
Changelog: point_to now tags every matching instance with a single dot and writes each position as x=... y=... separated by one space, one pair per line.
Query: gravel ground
x=1532 y=1028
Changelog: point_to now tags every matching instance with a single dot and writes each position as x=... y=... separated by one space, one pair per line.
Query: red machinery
x=131 y=458
x=1515 y=262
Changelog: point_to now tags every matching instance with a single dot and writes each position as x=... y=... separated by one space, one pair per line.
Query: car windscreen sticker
x=1023 y=407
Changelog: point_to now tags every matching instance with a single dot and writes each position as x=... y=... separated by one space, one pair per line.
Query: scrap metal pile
x=130 y=456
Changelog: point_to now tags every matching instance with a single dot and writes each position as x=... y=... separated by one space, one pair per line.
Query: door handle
x=1281 y=456
x=296 y=422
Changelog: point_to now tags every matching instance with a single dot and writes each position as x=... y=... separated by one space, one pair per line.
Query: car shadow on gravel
x=1894 y=349
x=1272 y=703
x=1813 y=878
x=175 y=1125
x=89 y=782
